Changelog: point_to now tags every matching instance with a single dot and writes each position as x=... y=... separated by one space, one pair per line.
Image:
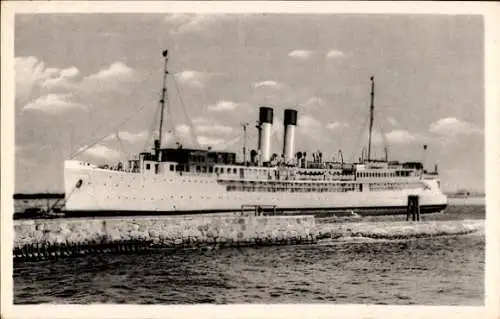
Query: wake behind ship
x=178 y=180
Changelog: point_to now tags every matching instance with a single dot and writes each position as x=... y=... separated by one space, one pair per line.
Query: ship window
x=171 y=167
x=210 y=169
x=234 y=171
x=228 y=170
x=198 y=168
x=216 y=169
x=148 y=166
x=204 y=169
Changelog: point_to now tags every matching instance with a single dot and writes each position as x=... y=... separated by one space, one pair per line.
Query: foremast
x=372 y=97
x=162 y=106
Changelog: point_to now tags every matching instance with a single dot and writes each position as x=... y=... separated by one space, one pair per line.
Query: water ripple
x=430 y=271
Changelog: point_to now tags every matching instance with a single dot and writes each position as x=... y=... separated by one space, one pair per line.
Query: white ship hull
x=105 y=191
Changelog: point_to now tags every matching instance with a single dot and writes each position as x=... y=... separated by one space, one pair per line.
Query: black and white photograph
x=187 y=154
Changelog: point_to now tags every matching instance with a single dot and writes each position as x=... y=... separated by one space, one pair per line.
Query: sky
x=87 y=87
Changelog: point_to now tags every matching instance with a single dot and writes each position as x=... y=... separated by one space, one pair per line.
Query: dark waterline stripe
x=363 y=211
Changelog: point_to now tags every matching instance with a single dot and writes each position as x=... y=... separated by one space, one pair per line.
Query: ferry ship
x=177 y=180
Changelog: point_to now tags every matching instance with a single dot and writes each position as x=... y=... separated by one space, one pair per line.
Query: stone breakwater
x=399 y=230
x=55 y=238
x=41 y=239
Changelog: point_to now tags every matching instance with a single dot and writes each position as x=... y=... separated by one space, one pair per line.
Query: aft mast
x=162 y=105
x=371 y=118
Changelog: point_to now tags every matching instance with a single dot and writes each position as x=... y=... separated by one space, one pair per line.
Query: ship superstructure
x=194 y=180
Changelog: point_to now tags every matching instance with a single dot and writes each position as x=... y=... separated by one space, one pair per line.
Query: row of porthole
x=162 y=198
x=190 y=197
x=182 y=197
x=117 y=185
x=184 y=181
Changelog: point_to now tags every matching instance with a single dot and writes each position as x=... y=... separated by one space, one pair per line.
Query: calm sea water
x=439 y=271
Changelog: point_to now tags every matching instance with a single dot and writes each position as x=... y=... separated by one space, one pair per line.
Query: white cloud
x=209 y=141
x=336 y=125
x=127 y=136
x=64 y=78
x=314 y=101
x=193 y=78
x=53 y=103
x=207 y=125
x=301 y=54
x=332 y=54
x=201 y=120
x=392 y=120
x=223 y=106
x=116 y=71
x=31 y=74
x=309 y=122
x=182 y=134
x=190 y=22
x=133 y=137
x=33 y=79
x=451 y=126
x=267 y=83
x=377 y=137
x=103 y=152
x=109 y=78
x=397 y=137
x=220 y=129
x=311 y=127
x=28 y=70
x=403 y=137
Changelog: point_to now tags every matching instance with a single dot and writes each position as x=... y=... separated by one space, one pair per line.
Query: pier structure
x=56 y=238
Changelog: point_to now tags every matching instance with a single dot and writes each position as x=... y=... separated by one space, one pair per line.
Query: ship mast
x=244 y=125
x=371 y=118
x=162 y=102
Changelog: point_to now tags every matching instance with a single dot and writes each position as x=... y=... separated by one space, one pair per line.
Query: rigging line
x=360 y=136
x=353 y=116
x=231 y=142
x=138 y=111
x=121 y=144
x=103 y=137
x=173 y=130
x=151 y=129
x=384 y=137
x=194 y=135
x=250 y=134
x=175 y=136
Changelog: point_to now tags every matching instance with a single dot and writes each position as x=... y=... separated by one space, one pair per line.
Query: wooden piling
x=417 y=207
x=413 y=208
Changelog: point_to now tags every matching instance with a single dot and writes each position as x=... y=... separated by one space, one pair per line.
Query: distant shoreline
x=39 y=196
